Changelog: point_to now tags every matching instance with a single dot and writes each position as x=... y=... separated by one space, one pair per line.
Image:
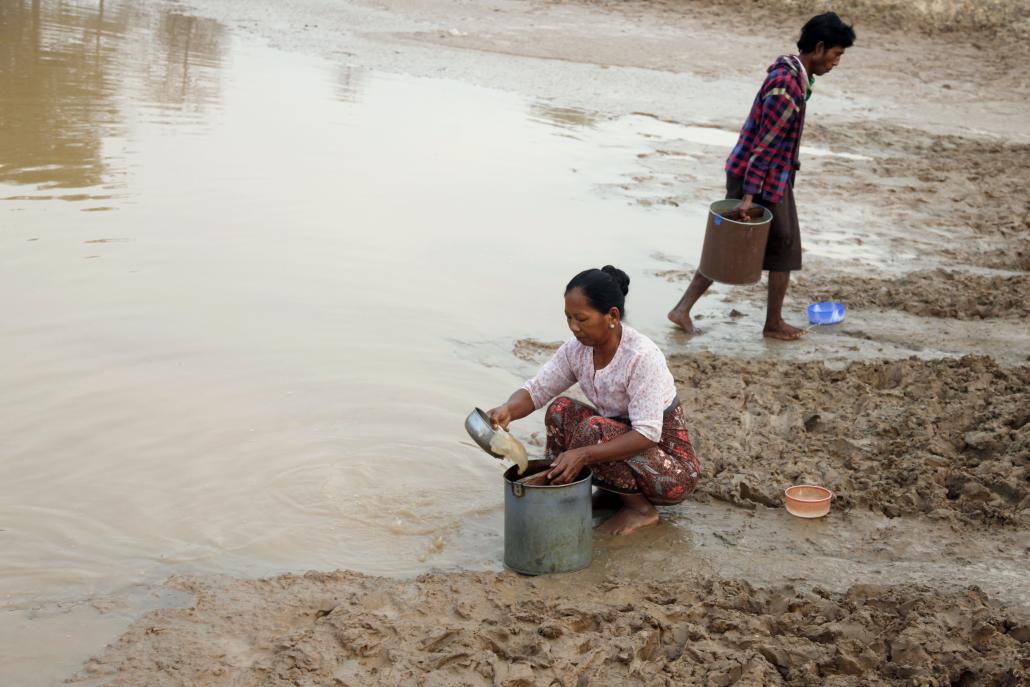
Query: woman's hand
x=568 y=466
x=500 y=416
x=515 y=408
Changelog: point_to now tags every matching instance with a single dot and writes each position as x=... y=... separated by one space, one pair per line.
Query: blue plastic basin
x=826 y=313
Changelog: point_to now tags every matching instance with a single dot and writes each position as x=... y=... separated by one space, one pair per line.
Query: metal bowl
x=477 y=424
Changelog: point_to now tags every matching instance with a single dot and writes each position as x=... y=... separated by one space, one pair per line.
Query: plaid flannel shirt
x=767 y=151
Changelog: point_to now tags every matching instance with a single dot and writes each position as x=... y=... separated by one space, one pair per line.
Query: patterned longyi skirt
x=665 y=473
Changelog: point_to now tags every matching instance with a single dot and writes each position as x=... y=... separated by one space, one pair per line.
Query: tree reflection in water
x=69 y=74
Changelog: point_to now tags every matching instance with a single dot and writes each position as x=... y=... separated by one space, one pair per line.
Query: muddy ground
x=929 y=293
x=976 y=20
x=940 y=200
x=946 y=438
x=928 y=444
x=485 y=629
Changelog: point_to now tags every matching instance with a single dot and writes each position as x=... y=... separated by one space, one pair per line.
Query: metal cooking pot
x=547 y=528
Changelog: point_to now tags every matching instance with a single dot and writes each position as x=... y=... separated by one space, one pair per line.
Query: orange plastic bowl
x=807 y=501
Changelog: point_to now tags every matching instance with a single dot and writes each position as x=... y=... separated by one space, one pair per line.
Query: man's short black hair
x=828 y=28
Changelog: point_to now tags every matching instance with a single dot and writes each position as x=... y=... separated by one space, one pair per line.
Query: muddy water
x=242 y=287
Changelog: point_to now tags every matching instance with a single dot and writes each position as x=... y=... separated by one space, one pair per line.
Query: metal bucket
x=547 y=529
x=733 y=251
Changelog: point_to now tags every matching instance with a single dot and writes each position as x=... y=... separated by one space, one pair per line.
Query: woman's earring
x=611 y=326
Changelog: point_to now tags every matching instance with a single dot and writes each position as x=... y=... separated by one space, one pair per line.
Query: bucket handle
x=517 y=489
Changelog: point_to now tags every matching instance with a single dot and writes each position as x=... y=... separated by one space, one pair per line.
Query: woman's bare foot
x=636 y=513
x=681 y=318
x=782 y=331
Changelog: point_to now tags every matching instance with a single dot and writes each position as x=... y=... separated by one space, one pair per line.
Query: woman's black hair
x=828 y=28
x=604 y=288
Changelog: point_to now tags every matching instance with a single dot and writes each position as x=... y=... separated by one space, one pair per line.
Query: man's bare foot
x=627 y=520
x=782 y=331
x=681 y=319
x=605 y=500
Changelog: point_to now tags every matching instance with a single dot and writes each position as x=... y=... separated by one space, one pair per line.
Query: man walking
x=762 y=165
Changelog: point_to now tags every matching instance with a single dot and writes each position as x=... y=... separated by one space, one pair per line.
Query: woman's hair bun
x=604 y=288
x=620 y=277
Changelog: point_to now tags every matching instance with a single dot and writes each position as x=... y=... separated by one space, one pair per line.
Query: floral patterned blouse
x=636 y=384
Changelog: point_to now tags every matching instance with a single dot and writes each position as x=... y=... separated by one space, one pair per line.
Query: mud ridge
x=530 y=349
x=344 y=628
x=948 y=439
x=934 y=293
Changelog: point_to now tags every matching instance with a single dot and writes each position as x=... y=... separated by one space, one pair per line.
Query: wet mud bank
x=927 y=17
x=904 y=198
x=957 y=198
x=501 y=629
x=941 y=293
x=931 y=293
x=948 y=439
